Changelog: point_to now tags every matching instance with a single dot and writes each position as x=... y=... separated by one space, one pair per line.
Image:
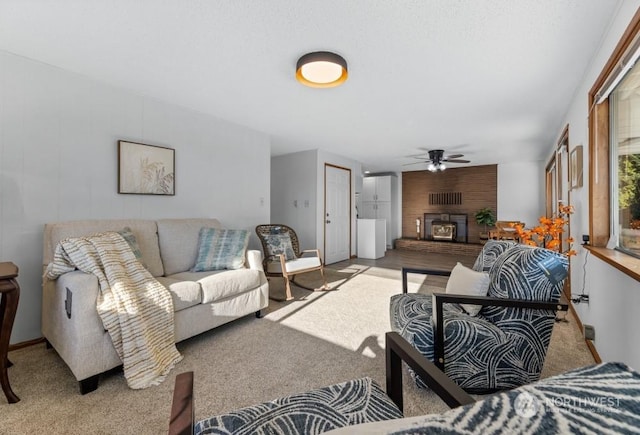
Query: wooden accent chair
x=283 y=257
x=505 y=230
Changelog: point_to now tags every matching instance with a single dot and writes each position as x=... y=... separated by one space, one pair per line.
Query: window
x=614 y=149
x=624 y=103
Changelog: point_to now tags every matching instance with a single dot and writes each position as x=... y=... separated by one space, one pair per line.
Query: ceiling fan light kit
x=436 y=160
x=321 y=69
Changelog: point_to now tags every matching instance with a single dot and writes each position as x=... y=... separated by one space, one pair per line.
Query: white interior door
x=337 y=214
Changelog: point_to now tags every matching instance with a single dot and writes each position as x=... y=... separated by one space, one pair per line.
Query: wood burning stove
x=443 y=230
x=446 y=233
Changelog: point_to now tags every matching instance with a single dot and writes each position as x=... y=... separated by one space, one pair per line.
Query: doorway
x=337 y=213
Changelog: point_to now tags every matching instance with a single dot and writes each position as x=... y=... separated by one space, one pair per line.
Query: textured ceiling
x=491 y=79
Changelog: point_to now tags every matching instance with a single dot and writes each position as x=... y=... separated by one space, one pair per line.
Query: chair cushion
x=521 y=273
x=279 y=244
x=220 y=249
x=302 y=263
x=490 y=252
x=345 y=404
x=468 y=282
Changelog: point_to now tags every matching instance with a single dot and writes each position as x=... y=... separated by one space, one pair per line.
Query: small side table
x=10 y=295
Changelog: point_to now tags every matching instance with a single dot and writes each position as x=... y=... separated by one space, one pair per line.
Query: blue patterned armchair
x=505 y=345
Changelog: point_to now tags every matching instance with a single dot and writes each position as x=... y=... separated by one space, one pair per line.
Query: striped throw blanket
x=135 y=308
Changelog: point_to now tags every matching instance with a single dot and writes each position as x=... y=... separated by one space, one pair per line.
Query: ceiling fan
x=437 y=160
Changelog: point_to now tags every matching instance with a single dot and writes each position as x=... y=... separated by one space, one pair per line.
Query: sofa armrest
x=254 y=259
x=80 y=292
x=408 y=270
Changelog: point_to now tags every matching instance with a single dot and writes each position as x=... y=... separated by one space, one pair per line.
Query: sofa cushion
x=222 y=284
x=178 y=240
x=145 y=232
x=220 y=249
x=185 y=294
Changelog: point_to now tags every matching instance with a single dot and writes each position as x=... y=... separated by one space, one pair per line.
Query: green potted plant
x=485 y=217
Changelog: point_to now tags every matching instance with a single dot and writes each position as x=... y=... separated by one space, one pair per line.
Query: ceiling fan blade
x=416 y=163
x=453 y=156
x=456 y=161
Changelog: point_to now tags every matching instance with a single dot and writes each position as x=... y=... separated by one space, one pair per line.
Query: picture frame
x=146 y=169
x=575 y=167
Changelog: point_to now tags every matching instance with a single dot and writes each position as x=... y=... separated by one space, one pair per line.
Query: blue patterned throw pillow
x=128 y=236
x=280 y=244
x=221 y=249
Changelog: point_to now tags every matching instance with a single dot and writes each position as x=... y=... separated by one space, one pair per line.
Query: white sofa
x=202 y=300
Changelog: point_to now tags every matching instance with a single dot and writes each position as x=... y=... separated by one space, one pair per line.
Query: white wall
x=519 y=195
x=614 y=297
x=300 y=177
x=293 y=181
x=58 y=161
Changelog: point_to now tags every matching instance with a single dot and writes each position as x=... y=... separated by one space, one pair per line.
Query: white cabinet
x=379 y=202
x=376 y=188
x=371 y=238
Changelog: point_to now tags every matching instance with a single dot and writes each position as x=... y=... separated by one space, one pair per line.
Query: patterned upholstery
x=598 y=399
x=349 y=403
x=501 y=348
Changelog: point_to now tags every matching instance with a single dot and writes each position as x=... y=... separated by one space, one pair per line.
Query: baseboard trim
x=27 y=343
x=594 y=351
x=589 y=343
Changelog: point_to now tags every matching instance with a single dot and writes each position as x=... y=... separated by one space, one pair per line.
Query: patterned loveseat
x=202 y=300
x=505 y=344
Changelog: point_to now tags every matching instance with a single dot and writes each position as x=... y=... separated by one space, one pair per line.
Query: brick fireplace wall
x=466 y=190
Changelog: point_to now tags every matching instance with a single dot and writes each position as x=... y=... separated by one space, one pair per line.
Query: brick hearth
x=471 y=249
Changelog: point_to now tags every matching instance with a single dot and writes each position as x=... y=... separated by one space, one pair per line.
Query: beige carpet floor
x=318 y=339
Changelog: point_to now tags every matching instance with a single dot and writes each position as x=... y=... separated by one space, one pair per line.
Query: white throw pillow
x=465 y=281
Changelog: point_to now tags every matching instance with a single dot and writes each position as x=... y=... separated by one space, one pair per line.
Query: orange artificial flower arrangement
x=549 y=233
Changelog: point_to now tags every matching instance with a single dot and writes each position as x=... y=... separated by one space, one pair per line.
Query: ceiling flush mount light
x=321 y=69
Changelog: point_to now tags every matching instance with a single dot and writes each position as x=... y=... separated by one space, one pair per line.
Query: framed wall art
x=146 y=169
x=575 y=167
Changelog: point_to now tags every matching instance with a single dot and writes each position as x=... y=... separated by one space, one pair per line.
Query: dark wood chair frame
x=397 y=350
x=444 y=298
x=266 y=229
